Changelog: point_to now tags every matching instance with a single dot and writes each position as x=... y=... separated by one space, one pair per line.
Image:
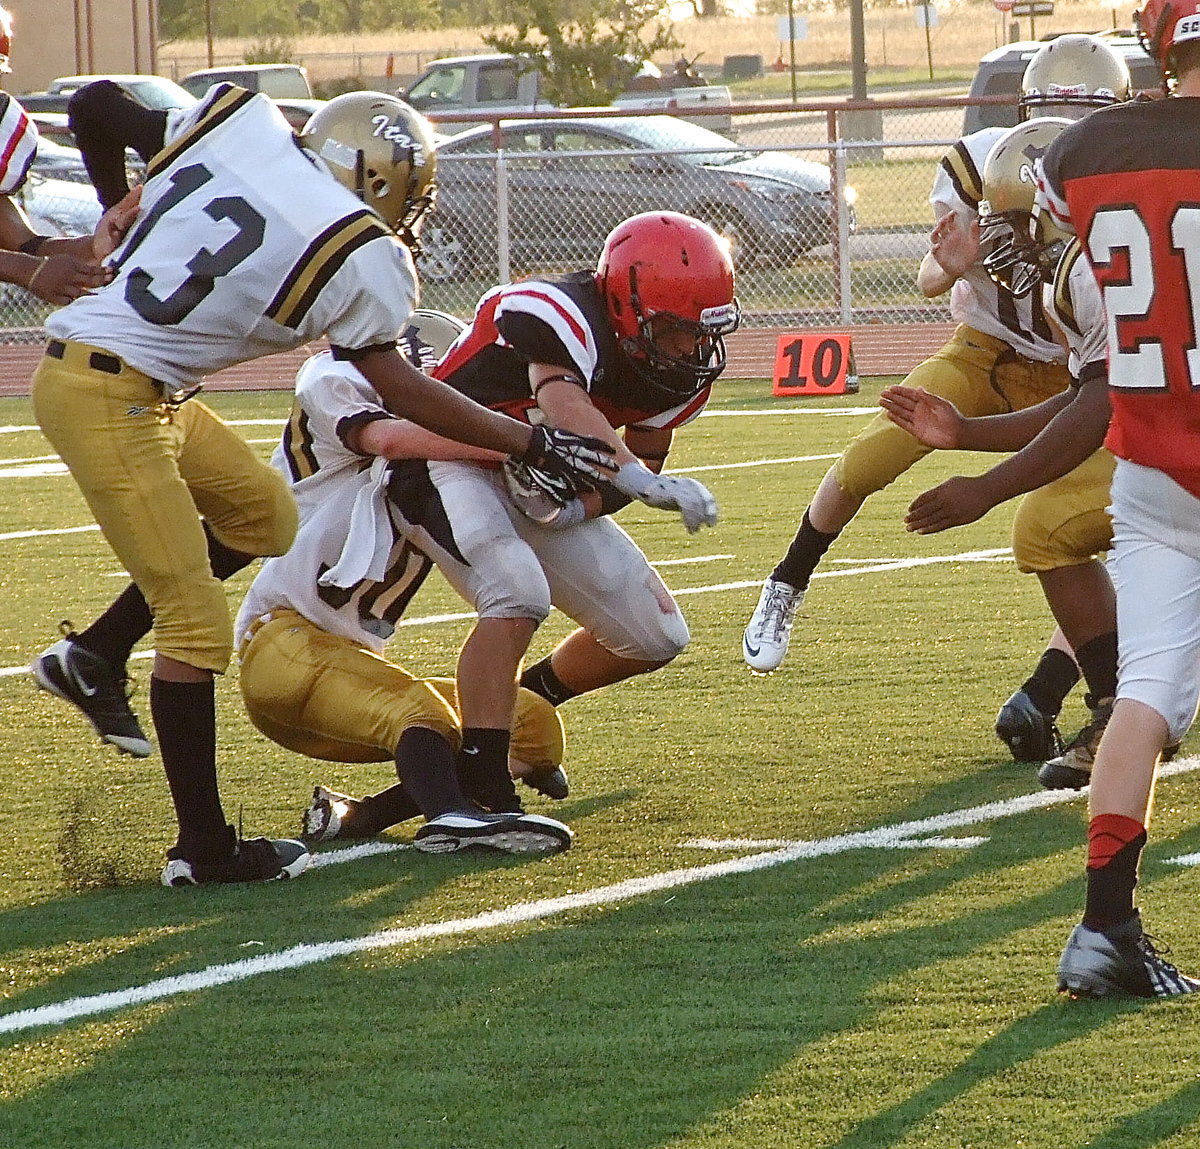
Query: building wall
x=72 y=37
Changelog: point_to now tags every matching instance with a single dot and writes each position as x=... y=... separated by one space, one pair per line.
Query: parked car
x=59 y=162
x=53 y=126
x=1000 y=71
x=571 y=181
x=59 y=206
x=154 y=91
x=279 y=81
x=298 y=111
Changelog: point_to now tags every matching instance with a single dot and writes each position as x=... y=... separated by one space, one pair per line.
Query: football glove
x=547 y=499
x=693 y=500
x=565 y=455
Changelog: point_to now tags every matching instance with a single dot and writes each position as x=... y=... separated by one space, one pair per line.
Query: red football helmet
x=5 y=39
x=663 y=275
x=1162 y=24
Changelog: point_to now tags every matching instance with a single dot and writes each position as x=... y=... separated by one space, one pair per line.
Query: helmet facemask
x=657 y=352
x=1020 y=257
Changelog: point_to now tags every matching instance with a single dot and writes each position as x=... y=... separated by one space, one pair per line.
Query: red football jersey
x=1127 y=180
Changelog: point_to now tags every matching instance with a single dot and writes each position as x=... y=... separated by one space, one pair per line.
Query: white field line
x=997 y=554
x=307 y=954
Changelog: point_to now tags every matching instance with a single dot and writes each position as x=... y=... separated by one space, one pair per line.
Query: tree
x=592 y=51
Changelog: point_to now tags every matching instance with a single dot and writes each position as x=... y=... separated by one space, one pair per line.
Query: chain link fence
x=825 y=205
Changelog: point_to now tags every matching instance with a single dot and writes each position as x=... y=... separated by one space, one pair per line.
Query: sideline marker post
x=814 y=363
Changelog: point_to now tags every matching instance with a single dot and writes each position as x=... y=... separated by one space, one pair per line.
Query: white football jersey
x=366 y=612
x=974 y=299
x=332 y=397
x=18 y=144
x=244 y=245
x=327 y=478
x=1075 y=302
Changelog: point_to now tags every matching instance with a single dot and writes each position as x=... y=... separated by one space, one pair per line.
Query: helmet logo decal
x=397 y=135
x=339 y=154
x=720 y=320
x=1188 y=28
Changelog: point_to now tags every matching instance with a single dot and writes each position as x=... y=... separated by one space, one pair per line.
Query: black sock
x=483 y=769
x=426 y=768
x=1098 y=661
x=1051 y=681
x=807 y=550
x=1115 y=845
x=541 y=679
x=377 y=812
x=128 y=619
x=186 y=723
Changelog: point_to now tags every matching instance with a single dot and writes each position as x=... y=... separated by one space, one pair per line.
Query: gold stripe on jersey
x=1064 y=306
x=298 y=445
x=320 y=262
x=223 y=106
x=963 y=173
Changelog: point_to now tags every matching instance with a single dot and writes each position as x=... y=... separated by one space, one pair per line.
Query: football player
x=313 y=670
x=245 y=244
x=1002 y=357
x=1126 y=181
x=1062 y=529
x=634 y=345
x=55 y=269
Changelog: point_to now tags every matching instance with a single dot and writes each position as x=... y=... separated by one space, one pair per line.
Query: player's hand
x=929 y=419
x=564 y=454
x=950 y=504
x=956 y=248
x=549 y=501
x=694 y=501
x=62 y=278
x=114 y=223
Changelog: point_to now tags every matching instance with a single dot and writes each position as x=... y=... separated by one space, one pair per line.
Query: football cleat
x=549 y=781
x=330 y=815
x=1122 y=959
x=253 y=860
x=1029 y=733
x=769 y=630
x=1072 y=769
x=76 y=675
x=507 y=833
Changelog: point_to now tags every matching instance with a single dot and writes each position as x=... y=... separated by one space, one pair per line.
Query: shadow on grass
x=623 y=1027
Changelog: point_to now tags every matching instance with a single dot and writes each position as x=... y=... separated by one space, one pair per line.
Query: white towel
x=369 y=540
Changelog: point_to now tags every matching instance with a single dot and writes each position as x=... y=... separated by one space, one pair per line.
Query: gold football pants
x=980 y=375
x=148 y=473
x=329 y=697
x=1066 y=523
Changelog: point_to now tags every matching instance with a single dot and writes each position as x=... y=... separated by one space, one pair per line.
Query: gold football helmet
x=382 y=150
x=1071 y=76
x=1021 y=252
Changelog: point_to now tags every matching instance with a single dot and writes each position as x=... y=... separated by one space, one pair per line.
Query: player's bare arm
x=403 y=439
x=1074 y=434
x=58 y=271
x=937 y=423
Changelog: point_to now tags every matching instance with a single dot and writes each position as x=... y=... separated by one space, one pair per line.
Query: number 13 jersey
x=243 y=246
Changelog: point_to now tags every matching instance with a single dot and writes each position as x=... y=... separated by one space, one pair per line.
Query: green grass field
x=887 y=984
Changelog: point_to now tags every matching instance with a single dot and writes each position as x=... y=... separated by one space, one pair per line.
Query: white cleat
x=769 y=630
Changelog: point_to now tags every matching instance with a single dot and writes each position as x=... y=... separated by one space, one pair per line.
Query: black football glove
x=565 y=455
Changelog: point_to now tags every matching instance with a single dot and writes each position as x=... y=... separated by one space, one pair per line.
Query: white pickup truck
x=496 y=85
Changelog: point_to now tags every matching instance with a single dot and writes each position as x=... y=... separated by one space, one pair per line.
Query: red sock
x=1108 y=834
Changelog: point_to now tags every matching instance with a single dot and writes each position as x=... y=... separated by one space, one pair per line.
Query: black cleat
x=507 y=833
x=1029 y=733
x=252 y=860
x=330 y=815
x=549 y=781
x=95 y=686
x=1119 y=960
